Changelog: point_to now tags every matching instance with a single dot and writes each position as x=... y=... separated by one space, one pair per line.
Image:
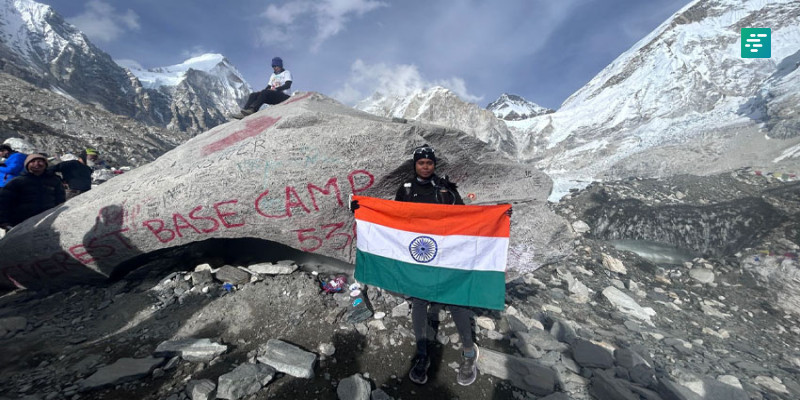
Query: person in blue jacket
x=15 y=163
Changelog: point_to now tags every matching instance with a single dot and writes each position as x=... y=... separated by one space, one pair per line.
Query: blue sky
x=541 y=50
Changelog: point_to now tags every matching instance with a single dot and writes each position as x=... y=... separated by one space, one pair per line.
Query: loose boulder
x=283 y=174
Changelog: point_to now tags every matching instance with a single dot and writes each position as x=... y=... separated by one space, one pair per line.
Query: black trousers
x=266 y=96
x=462 y=316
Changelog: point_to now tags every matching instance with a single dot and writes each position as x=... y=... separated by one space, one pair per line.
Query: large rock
x=523 y=373
x=244 y=380
x=124 y=370
x=283 y=174
x=191 y=349
x=288 y=358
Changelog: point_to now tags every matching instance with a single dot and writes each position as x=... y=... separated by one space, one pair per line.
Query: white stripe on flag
x=473 y=253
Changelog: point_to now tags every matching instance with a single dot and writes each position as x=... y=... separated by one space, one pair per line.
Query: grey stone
x=556 y=396
x=702 y=275
x=123 y=370
x=402 y=310
x=202 y=389
x=628 y=358
x=287 y=358
x=231 y=274
x=202 y=278
x=354 y=387
x=379 y=394
x=534 y=342
x=12 y=325
x=606 y=387
x=627 y=305
x=588 y=354
x=713 y=389
x=563 y=332
x=515 y=324
x=523 y=373
x=279 y=268
x=670 y=390
x=244 y=380
x=191 y=349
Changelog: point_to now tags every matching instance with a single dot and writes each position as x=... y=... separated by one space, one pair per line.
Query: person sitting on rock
x=31 y=193
x=13 y=166
x=76 y=175
x=279 y=83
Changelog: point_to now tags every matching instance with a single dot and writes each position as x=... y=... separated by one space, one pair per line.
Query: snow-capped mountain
x=208 y=80
x=37 y=45
x=511 y=107
x=441 y=106
x=681 y=100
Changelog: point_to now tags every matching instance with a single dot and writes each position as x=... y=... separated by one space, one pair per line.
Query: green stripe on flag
x=484 y=289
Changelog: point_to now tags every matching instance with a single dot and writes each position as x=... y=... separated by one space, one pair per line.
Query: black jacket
x=76 y=175
x=28 y=195
x=437 y=190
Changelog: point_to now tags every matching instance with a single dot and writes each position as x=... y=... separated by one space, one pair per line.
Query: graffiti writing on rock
x=252 y=128
x=108 y=240
x=359 y=181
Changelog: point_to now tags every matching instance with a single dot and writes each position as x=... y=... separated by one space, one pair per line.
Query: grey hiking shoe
x=241 y=114
x=468 y=371
x=419 y=371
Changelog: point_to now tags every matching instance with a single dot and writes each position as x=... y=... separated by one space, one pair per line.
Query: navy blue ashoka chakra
x=423 y=249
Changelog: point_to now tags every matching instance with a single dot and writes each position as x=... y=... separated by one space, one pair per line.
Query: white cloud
x=194 y=51
x=128 y=63
x=329 y=18
x=393 y=80
x=102 y=23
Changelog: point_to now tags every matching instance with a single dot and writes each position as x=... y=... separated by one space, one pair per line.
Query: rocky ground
x=58 y=124
x=602 y=323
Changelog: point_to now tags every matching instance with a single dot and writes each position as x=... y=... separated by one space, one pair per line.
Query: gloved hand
x=354 y=206
x=509 y=212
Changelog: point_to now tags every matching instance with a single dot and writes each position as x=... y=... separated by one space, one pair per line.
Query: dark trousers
x=462 y=316
x=266 y=96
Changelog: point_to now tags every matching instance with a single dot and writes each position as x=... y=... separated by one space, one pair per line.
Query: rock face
x=283 y=174
x=38 y=46
x=681 y=100
x=511 y=107
x=440 y=106
x=58 y=124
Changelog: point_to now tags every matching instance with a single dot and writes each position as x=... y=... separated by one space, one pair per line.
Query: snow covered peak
x=36 y=33
x=511 y=107
x=441 y=106
x=171 y=76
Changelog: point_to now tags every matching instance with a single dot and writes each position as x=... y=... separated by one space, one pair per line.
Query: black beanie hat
x=424 y=151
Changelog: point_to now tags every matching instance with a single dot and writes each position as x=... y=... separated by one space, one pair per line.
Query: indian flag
x=442 y=253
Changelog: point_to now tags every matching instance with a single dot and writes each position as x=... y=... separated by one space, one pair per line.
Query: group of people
x=29 y=185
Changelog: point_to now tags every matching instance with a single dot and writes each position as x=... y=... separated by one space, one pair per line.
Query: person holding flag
x=436 y=254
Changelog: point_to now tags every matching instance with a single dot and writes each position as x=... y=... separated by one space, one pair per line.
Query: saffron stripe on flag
x=437 y=219
x=441 y=253
x=484 y=289
x=454 y=251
